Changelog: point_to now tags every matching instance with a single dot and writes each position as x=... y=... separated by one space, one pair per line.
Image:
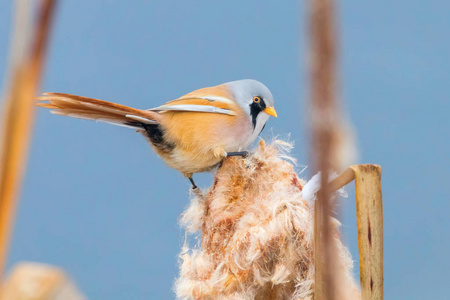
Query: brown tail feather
x=99 y=110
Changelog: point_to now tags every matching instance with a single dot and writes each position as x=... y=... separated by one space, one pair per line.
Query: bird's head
x=255 y=99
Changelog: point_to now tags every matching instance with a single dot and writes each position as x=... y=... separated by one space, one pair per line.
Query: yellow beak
x=270 y=111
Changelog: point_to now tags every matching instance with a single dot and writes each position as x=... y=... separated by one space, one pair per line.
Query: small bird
x=193 y=133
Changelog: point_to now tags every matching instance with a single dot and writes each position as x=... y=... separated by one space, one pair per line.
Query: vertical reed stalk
x=17 y=119
x=324 y=124
x=369 y=217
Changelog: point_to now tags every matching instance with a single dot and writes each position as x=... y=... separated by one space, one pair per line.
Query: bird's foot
x=240 y=153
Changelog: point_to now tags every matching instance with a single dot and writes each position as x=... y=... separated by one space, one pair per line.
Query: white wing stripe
x=209 y=98
x=194 y=108
x=141 y=119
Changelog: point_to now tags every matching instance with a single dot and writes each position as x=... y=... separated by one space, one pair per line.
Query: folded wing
x=217 y=105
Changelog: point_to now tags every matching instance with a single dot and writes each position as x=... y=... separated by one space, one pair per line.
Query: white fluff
x=310 y=189
x=257 y=235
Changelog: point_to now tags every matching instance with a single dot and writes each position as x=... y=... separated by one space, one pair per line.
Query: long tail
x=99 y=110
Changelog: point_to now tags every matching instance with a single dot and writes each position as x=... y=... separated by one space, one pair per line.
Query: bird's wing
x=99 y=110
x=219 y=105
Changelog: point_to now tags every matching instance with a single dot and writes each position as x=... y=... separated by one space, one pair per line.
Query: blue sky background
x=97 y=202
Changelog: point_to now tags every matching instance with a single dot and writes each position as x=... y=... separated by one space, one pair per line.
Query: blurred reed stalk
x=325 y=121
x=326 y=126
x=36 y=281
x=29 y=44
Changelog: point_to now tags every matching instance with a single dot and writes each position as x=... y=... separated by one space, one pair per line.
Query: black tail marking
x=156 y=137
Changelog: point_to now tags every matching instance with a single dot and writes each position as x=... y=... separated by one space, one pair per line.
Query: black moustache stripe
x=255 y=110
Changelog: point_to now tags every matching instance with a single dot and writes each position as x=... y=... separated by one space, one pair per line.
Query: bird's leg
x=241 y=153
x=194 y=186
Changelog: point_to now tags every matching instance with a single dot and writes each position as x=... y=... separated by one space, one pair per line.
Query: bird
x=192 y=133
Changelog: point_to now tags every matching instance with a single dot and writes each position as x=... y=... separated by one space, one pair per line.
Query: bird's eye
x=256 y=99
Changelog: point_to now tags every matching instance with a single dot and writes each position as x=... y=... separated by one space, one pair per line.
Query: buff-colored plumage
x=205 y=138
x=192 y=133
x=199 y=152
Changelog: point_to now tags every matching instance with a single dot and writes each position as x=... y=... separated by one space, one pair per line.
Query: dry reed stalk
x=17 y=119
x=325 y=122
x=369 y=213
x=257 y=234
x=369 y=217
